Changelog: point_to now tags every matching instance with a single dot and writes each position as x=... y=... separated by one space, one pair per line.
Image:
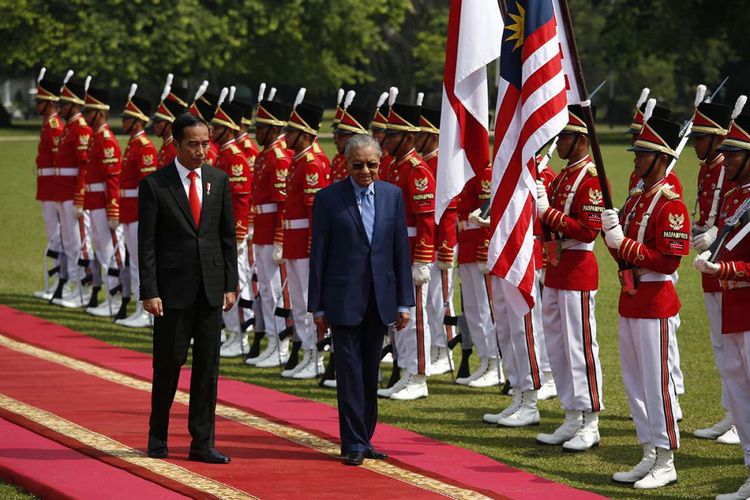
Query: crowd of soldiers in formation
x=88 y=189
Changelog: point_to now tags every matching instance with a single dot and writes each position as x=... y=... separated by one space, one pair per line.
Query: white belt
x=267 y=208
x=129 y=193
x=96 y=187
x=61 y=172
x=654 y=276
x=577 y=245
x=465 y=225
x=296 y=224
x=411 y=231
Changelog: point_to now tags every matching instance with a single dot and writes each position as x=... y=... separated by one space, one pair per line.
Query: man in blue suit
x=360 y=282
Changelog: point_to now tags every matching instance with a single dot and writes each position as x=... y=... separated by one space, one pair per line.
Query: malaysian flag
x=531 y=110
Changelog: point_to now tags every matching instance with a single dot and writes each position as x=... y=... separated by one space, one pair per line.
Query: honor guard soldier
x=709 y=130
x=417 y=184
x=378 y=127
x=269 y=192
x=139 y=160
x=354 y=120
x=204 y=106
x=70 y=165
x=244 y=140
x=729 y=262
x=232 y=161
x=307 y=175
x=649 y=237
x=172 y=104
x=49 y=140
x=102 y=200
x=340 y=137
x=572 y=210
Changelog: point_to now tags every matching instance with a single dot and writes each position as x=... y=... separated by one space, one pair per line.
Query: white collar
x=183 y=171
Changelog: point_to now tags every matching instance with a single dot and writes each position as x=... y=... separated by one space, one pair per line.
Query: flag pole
x=588 y=114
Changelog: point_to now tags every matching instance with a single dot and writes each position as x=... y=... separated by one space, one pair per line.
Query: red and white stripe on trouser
x=413 y=342
x=298 y=274
x=440 y=293
x=130 y=233
x=674 y=353
x=108 y=248
x=737 y=369
x=518 y=337
x=234 y=317
x=570 y=334
x=476 y=304
x=70 y=236
x=646 y=362
x=712 y=301
x=537 y=313
x=269 y=282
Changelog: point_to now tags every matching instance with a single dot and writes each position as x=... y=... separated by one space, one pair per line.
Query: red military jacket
x=233 y=162
x=103 y=173
x=138 y=161
x=167 y=152
x=734 y=268
x=671 y=180
x=338 y=167
x=581 y=222
x=212 y=154
x=657 y=253
x=417 y=184
x=307 y=176
x=547 y=175
x=473 y=241
x=49 y=141
x=447 y=230
x=322 y=156
x=713 y=184
x=385 y=164
x=269 y=192
x=72 y=155
x=248 y=147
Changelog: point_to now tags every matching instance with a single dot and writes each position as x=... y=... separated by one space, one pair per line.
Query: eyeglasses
x=373 y=165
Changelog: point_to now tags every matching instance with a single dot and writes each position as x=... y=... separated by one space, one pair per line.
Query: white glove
x=278 y=253
x=542 y=202
x=610 y=219
x=420 y=273
x=704 y=240
x=250 y=233
x=476 y=218
x=241 y=247
x=78 y=212
x=702 y=264
x=483 y=268
x=445 y=266
x=113 y=223
x=614 y=237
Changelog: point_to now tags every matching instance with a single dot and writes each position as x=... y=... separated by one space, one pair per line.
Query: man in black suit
x=188 y=275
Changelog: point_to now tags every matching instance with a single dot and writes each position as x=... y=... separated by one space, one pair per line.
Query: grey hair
x=361 y=141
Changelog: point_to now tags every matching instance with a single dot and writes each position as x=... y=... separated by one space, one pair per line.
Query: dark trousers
x=357 y=361
x=172 y=334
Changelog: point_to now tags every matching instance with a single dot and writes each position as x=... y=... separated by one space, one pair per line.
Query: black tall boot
x=395 y=376
x=463 y=368
x=59 y=290
x=123 y=312
x=255 y=348
x=94 y=300
x=293 y=356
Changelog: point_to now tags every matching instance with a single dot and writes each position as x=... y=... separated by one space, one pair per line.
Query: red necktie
x=195 y=201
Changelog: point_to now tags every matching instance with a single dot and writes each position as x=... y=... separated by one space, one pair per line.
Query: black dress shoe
x=354 y=458
x=209 y=456
x=374 y=454
x=157 y=448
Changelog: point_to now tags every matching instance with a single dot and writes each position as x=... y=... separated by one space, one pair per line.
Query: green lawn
x=452 y=413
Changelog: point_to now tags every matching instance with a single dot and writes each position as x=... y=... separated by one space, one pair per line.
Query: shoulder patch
x=669 y=194
x=54 y=122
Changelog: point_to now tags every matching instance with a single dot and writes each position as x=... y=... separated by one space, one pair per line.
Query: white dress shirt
x=183 y=173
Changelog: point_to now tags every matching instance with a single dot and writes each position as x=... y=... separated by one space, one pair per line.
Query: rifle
x=740 y=218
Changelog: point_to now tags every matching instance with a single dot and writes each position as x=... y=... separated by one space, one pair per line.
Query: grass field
x=452 y=413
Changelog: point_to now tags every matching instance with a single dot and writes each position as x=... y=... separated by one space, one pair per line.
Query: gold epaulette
x=592 y=170
x=81 y=121
x=315 y=147
x=730 y=192
x=235 y=150
x=54 y=122
x=278 y=152
x=143 y=139
x=106 y=133
x=309 y=157
x=669 y=194
x=414 y=161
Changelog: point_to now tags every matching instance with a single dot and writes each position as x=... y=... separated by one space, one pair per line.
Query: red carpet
x=281 y=445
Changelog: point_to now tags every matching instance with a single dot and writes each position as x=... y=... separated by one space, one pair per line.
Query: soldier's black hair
x=184 y=121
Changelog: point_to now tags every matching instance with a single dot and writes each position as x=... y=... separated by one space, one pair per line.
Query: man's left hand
x=702 y=264
x=402 y=320
x=113 y=223
x=229 y=298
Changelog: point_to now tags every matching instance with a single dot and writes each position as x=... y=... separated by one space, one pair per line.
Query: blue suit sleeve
x=402 y=257
x=320 y=238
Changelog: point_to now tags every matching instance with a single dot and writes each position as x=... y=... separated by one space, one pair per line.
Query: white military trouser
x=53 y=232
x=108 y=248
x=234 y=317
x=647 y=364
x=270 y=288
x=518 y=337
x=413 y=342
x=570 y=334
x=476 y=307
x=538 y=312
x=712 y=301
x=72 y=232
x=736 y=357
x=298 y=274
x=130 y=232
x=440 y=305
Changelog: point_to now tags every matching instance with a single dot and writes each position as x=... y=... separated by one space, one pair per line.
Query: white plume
x=644 y=95
x=261 y=91
x=222 y=96
x=300 y=97
x=201 y=90
x=41 y=74
x=420 y=98
x=68 y=76
x=339 y=96
x=87 y=83
x=170 y=78
x=650 y=105
x=392 y=94
x=232 y=91
x=738 y=106
x=165 y=92
x=131 y=92
x=700 y=93
x=382 y=99
x=272 y=93
x=349 y=98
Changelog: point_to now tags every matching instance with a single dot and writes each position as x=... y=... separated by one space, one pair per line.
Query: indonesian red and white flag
x=531 y=110
x=474 y=30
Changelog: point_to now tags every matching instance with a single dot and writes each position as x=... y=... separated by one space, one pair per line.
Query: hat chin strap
x=573 y=146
